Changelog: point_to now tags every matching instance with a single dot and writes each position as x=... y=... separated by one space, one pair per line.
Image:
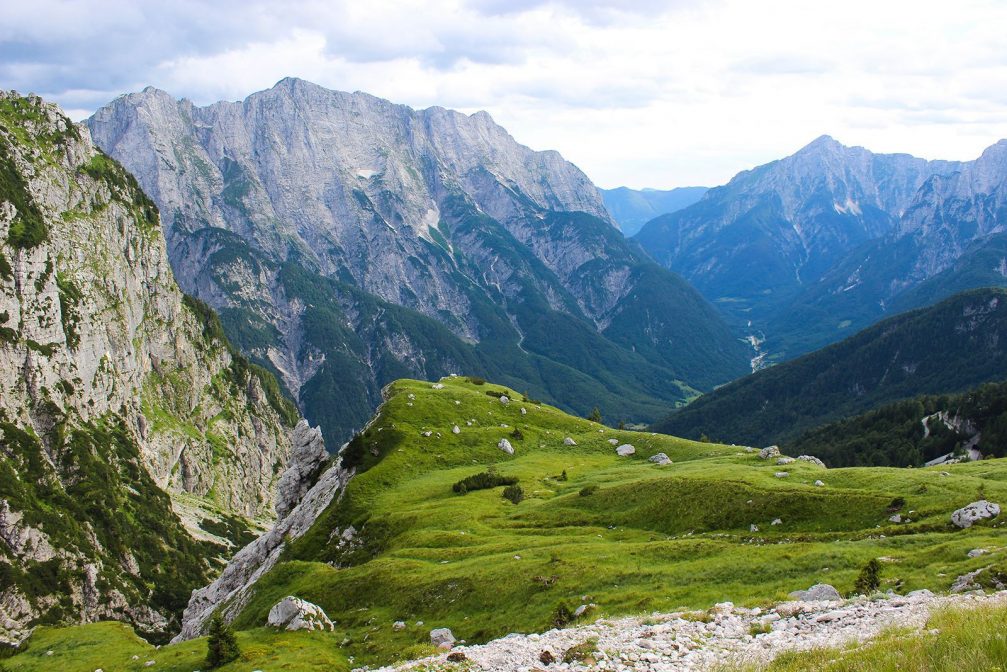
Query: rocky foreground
x=725 y=635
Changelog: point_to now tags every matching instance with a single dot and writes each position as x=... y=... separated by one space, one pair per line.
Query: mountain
x=632 y=208
x=949 y=238
x=754 y=244
x=391 y=536
x=953 y=346
x=348 y=241
x=915 y=431
x=117 y=390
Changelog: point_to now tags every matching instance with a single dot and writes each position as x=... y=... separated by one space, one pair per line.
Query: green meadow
x=620 y=532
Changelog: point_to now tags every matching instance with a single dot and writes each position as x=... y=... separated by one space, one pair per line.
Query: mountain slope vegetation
x=953 y=346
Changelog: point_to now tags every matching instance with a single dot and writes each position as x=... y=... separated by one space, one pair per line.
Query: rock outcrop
x=293 y=613
x=974 y=512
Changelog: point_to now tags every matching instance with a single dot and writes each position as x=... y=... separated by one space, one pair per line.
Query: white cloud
x=645 y=92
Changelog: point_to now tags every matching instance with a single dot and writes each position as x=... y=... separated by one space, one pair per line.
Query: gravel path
x=681 y=641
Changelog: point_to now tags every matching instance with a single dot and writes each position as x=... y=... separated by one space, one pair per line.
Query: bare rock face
x=307 y=456
x=115 y=387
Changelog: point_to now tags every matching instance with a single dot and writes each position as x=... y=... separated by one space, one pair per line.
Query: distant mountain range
x=348 y=241
x=632 y=208
x=810 y=248
x=953 y=346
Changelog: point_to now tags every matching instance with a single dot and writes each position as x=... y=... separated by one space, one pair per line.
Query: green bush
x=482 y=481
x=514 y=493
x=588 y=490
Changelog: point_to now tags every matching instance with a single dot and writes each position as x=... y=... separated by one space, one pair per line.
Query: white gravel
x=666 y=642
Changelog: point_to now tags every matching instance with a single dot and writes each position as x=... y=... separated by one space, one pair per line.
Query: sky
x=641 y=93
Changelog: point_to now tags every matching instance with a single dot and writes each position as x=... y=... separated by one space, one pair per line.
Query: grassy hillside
x=621 y=532
x=953 y=346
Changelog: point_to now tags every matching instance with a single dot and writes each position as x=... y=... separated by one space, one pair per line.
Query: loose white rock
x=505 y=446
x=569 y=442
x=625 y=450
x=660 y=459
x=769 y=452
x=974 y=512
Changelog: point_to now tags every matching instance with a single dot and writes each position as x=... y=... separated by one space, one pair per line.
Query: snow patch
x=367 y=173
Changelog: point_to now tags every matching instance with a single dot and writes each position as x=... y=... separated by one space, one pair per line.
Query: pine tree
x=221 y=645
x=595 y=415
x=868 y=581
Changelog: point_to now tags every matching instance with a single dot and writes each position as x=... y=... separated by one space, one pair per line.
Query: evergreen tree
x=595 y=415
x=221 y=645
x=868 y=581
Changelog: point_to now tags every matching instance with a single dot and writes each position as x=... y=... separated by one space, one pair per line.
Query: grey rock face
x=968 y=515
x=307 y=456
x=94 y=332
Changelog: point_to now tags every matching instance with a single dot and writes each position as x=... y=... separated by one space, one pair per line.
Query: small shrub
x=757 y=628
x=582 y=653
x=517 y=435
x=514 y=493
x=869 y=579
x=562 y=616
x=476 y=380
x=482 y=481
x=221 y=645
x=588 y=490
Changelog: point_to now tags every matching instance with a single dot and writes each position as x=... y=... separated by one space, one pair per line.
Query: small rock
x=398 y=626
x=976 y=552
x=784 y=460
x=625 y=450
x=441 y=636
x=782 y=474
x=427 y=433
x=569 y=442
x=897 y=518
x=614 y=442
x=504 y=399
x=505 y=446
x=660 y=459
x=769 y=452
x=524 y=411
x=776 y=521
x=819 y=484
x=820 y=592
x=438 y=386
x=49 y=652
x=456 y=430
x=753 y=528
x=150 y=663
x=974 y=512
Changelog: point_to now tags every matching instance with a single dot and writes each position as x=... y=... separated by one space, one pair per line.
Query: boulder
x=776 y=521
x=976 y=552
x=974 y=512
x=524 y=411
x=625 y=450
x=897 y=518
x=819 y=483
x=437 y=386
x=660 y=459
x=614 y=442
x=784 y=460
x=441 y=637
x=820 y=592
x=753 y=528
x=456 y=430
x=769 y=452
x=569 y=442
x=782 y=474
x=293 y=613
x=813 y=460
x=399 y=626
x=504 y=399
x=505 y=446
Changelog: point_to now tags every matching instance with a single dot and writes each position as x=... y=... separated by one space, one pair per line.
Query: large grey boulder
x=293 y=613
x=974 y=512
x=625 y=450
x=660 y=459
x=813 y=460
x=820 y=592
x=442 y=638
x=505 y=446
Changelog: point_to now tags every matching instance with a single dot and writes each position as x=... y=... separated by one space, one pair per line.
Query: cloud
x=640 y=92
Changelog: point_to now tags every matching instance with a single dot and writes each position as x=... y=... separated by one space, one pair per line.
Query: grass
x=111 y=646
x=953 y=639
x=649 y=538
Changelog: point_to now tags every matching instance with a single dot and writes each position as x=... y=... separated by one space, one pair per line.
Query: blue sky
x=638 y=92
